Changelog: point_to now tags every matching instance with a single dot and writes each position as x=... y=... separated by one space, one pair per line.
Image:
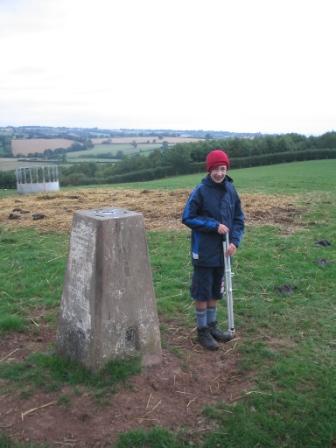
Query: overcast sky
x=235 y=65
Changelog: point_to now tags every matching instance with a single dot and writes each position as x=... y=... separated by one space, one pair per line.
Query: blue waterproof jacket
x=209 y=205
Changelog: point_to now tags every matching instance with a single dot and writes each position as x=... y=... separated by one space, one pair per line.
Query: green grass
x=171 y=267
x=287 y=178
x=31 y=272
x=113 y=148
x=287 y=342
x=6 y=442
x=11 y=322
x=5 y=193
x=49 y=372
x=155 y=438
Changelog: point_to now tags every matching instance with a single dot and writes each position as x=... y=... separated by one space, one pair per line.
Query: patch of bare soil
x=172 y=394
x=161 y=209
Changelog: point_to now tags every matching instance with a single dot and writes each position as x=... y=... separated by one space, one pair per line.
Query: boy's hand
x=231 y=250
x=222 y=229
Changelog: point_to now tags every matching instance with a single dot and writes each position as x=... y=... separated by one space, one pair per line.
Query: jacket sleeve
x=237 y=230
x=192 y=216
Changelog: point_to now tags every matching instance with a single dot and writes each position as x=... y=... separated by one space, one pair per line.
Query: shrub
x=7 y=179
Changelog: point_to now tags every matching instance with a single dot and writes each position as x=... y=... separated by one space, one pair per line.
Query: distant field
x=125 y=140
x=73 y=160
x=7 y=164
x=25 y=146
x=113 y=149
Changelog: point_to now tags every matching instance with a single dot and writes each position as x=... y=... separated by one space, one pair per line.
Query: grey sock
x=211 y=315
x=201 y=318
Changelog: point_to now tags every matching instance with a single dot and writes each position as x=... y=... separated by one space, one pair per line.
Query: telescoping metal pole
x=228 y=286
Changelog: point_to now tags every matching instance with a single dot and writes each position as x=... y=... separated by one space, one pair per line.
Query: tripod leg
x=228 y=286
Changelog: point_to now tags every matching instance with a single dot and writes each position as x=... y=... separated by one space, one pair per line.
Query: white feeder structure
x=37 y=179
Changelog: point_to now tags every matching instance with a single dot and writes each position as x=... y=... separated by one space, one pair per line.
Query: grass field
x=286 y=337
x=126 y=148
x=145 y=140
x=288 y=178
x=9 y=164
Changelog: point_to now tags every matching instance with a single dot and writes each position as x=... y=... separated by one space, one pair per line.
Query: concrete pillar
x=108 y=308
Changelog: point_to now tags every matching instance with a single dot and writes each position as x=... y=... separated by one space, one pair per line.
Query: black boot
x=205 y=339
x=221 y=336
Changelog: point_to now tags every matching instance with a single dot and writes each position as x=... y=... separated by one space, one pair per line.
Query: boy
x=213 y=209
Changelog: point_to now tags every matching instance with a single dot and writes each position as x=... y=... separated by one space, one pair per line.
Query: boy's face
x=218 y=174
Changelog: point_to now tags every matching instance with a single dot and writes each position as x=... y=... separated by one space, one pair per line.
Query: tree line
x=5 y=146
x=186 y=158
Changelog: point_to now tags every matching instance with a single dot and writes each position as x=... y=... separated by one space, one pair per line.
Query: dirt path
x=171 y=395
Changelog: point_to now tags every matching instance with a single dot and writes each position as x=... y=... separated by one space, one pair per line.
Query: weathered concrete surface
x=108 y=308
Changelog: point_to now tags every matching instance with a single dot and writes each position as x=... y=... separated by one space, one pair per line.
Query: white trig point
x=37 y=179
x=108 y=309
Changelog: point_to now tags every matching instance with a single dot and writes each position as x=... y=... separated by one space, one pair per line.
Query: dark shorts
x=207 y=283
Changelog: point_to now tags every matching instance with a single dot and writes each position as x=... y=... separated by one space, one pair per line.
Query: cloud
x=24 y=17
x=244 y=66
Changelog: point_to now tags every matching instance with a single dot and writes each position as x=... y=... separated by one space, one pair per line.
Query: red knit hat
x=215 y=158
